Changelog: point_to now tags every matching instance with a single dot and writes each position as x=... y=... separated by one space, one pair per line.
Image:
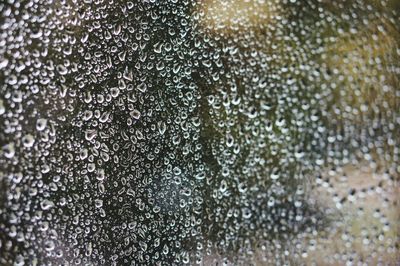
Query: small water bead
x=87 y=115
x=90 y=134
x=91 y=167
x=2 y=107
x=46 y=204
x=275 y=176
x=83 y=154
x=20 y=260
x=98 y=203
x=49 y=245
x=142 y=87
x=9 y=150
x=115 y=91
x=223 y=187
x=100 y=174
x=41 y=124
x=17 y=96
x=104 y=117
x=62 y=70
x=28 y=141
x=165 y=249
x=229 y=140
x=3 y=63
x=104 y=156
x=135 y=114
x=162 y=127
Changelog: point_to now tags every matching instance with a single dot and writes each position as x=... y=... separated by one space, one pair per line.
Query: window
x=215 y=132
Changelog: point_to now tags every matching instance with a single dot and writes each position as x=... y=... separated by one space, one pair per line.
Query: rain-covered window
x=211 y=132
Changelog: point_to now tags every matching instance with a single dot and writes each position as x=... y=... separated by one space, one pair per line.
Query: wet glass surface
x=254 y=132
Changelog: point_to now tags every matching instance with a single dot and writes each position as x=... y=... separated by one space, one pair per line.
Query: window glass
x=213 y=132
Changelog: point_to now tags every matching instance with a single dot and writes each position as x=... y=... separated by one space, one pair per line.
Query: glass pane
x=240 y=132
